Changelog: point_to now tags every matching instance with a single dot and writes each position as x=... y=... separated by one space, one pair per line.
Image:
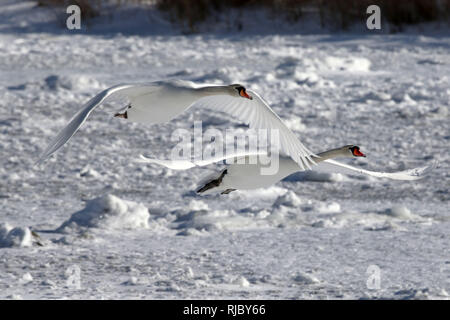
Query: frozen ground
x=135 y=231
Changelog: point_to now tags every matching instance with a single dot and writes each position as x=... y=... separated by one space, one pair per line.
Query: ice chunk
x=14 y=237
x=304 y=278
x=71 y=82
x=108 y=212
x=289 y=199
x=400 y=211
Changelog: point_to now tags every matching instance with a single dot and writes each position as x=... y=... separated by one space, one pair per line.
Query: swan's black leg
x=213 y=183
x=123 y=115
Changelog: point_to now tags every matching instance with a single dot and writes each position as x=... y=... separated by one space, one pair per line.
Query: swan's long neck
x=289 y=166
x=333 y=153
x=213 y=90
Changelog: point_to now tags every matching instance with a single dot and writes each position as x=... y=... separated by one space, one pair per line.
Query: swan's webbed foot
x=227 y=191
x=213 y=183
x=123 y=115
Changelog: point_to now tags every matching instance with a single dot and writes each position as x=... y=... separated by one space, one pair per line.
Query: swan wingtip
x=421 y=172
x=434 y=164
x=40 y=160
x=142 y=159
x=37 y=163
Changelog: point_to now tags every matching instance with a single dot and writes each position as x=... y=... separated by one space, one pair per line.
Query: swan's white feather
x=77 y=120
x=170 y=164
x=186 y=164
x=259 y=115
x=411 y=174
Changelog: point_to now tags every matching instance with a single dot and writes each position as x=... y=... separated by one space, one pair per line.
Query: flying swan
x=246 y=175
x=162 y=101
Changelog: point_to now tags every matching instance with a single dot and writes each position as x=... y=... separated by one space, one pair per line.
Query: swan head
x=238 y=90
x=355 y=151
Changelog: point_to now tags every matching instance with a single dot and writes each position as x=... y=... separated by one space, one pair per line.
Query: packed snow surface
x=129 y=230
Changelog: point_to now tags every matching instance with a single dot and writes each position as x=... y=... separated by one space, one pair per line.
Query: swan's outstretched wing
x=258 y=115
x=411 y=174
x=186 y=164
x=77 y=120
x=139 y=96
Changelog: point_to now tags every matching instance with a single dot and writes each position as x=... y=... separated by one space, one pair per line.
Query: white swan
x=248 y=176
x=162 y=101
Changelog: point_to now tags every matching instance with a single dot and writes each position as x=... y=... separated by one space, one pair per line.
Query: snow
x=14 y=237
x=243 y=282
x=289 y=199
x=350 y=64
x=305 y=279
x=401 y=212
x=141 y=231
x=108 y=212
x=27 y=277
x=71 y=82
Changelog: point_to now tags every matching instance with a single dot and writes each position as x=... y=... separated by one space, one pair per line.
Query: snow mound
x=88 y=172
x=384 y=226
x=71 y=82
x=375 y=96
x=220 y=76
x=14 y=237
x=267 y=194
x=350 y=64
x=422 y=294
x=305 y=69
x=26 y=278
x=401 y=212
x=197 y=205
x=289 y=199
x=242 y=281
x=288 y=210
x=305 y=279
x=61 y=82
x=214 y=220
x=108 y=212
x=303 y=72
x=327 y=208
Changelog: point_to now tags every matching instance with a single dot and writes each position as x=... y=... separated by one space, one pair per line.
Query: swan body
x=246 y=175
x=161 y=101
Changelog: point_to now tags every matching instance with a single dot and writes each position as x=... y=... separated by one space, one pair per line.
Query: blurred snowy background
x=92 y=223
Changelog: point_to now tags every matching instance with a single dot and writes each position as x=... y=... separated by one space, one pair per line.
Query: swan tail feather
x=410 y=174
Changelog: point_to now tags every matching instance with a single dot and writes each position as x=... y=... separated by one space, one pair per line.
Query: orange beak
x=358 y=153
x=245 y=95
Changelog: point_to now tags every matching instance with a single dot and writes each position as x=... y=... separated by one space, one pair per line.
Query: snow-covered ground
x=93 y=223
